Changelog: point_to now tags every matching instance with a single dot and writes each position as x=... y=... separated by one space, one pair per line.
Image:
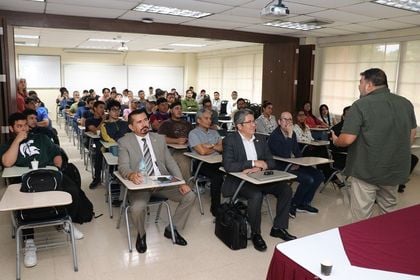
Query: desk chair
x=154 y=201
x=336 y=171
x=198 y=179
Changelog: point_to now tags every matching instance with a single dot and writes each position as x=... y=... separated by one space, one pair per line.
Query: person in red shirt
x=20 y=95
x=311 y=120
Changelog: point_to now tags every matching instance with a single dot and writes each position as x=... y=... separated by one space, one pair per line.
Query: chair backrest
x=223 y=107
x=256 y=108
x=41 y=180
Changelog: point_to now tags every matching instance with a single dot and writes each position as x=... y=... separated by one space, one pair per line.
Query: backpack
x=41 y=180
x=71 y=171
x=85 y=210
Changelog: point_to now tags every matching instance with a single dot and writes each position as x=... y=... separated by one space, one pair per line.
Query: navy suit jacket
x=282 y=146
x=235 y=160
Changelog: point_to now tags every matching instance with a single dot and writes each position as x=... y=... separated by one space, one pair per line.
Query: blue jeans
x=309 y=179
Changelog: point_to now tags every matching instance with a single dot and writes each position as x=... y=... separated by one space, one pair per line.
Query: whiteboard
x=163 y=77
x=40 y=71
x=96 y=76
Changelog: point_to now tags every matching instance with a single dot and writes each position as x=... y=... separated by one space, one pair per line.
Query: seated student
x=78 y=117
x=133 y=104
x=41 y=112
x=138 y=145
x=266 y=122
x=325 y=116
x=160 y=115
x=214 y=115
x=20 y=150
x=301 y=129
x=206 y=141
x=113 y=128
x=34 y=128
x=311 y=120
x=243 y=151
x=93 y=125
x=283 y=143
x=176 y=131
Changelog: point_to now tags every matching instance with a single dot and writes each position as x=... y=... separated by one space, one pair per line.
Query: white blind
x=341 y=68
x=225 y=74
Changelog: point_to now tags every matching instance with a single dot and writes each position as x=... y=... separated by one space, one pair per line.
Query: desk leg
x=197 y=189
x=235 y=195
x=123 y=206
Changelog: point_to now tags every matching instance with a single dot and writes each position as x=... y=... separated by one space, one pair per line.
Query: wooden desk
x=304 y=161
x=245 y=178
x=18 y=171
x=13 y=199
x=108 y=145
x=178 y=146
x=110 y=161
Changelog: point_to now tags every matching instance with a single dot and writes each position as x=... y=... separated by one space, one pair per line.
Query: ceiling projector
x=276 y=10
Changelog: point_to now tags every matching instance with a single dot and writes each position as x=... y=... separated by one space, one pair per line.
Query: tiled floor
x=103 y=253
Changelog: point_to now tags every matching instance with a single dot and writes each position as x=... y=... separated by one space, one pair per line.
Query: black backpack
x=41 y=180
x=71 y=171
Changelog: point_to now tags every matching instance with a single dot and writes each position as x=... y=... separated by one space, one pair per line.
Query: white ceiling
x=346 y=17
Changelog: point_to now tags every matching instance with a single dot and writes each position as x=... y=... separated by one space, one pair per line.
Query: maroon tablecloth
x=283 y=268
x=389 y=242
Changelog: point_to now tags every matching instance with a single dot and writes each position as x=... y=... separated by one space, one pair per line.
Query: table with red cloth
x=384 y=247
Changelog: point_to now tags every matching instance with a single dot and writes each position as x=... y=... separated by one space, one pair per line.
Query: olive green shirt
x=382 y=122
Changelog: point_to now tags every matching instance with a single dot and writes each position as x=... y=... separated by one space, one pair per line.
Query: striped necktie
x=147 y=158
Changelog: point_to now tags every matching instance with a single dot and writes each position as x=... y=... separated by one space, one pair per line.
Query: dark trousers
x=255 y=194
x=216 y=179
x=98 y=160
x=309 y=179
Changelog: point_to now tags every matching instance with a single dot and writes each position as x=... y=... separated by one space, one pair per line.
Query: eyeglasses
x=287 y=120
x=251 y=122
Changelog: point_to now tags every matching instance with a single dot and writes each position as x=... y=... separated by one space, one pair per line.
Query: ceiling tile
x=231 y=18
x=215 y=24
x=410 y=19
x=134 y=15
x=191 y=5
x=388 y=24
x=340 y=16
x=22 y=5
x=376 y=10
x=357 y=28
x=326 y=3
x=110 y=4
x=61 y=9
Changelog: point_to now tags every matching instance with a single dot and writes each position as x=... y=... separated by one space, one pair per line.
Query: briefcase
x=231 y=227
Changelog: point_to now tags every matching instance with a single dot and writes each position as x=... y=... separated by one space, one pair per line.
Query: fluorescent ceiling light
x=188 y=45
x=293 y=25
x=20 y=36
x=409 y=5
x=108 y=40
x=38 y=0
x=169 y=11
x=161 y=50
x=26 y=44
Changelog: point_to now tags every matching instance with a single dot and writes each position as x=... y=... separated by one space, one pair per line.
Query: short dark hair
x=30 y=99
x=135 y=112
x=89 y=99
x=376 y=76
x=104 y=89
x=32 y=92
x=161 y=100
x=97 y=103
x=206 y=100
x=176 y=103
x=240 y=99
x=114 y=103
x=266 y=103
x=28 y=112
x=16 y=117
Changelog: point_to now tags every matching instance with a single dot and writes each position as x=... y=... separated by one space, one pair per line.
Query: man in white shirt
x=216 y=102
x=231 y=106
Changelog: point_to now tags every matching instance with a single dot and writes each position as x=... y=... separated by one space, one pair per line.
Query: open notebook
x=264 y=176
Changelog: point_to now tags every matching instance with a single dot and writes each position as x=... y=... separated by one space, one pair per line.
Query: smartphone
x=164 y=179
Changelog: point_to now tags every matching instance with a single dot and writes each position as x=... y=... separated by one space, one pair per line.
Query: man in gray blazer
x=243 y=151
x=135 y=146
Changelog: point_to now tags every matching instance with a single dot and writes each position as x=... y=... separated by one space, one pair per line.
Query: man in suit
x=243 y=151
x=139 y=145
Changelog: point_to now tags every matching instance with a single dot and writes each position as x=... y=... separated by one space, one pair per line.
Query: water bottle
x=143 y=171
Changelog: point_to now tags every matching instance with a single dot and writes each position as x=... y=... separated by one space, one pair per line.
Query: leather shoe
x=178 y=238
x=141 y=245
x=259 y=242
x=282 y=233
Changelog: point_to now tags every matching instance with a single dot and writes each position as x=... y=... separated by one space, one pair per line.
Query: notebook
x=260 y=176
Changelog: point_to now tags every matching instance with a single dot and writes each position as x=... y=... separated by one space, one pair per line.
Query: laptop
x=269 y=175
